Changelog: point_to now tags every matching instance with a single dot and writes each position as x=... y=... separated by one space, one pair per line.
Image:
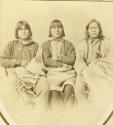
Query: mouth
x=57 y=32
x=93 y=33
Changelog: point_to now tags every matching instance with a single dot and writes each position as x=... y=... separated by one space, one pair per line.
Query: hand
x=38 y=59
x=59 y=64
x=24 y=63
x=15 y=63
x=29 y=82
x=60 y=58
x=69 y=67
x=96 y=61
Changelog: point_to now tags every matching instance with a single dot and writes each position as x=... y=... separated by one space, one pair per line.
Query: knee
x=82 y=89
x=43 y=86
x=46 y=88
x=3 y=72
x=55 y=94
x=68 y=89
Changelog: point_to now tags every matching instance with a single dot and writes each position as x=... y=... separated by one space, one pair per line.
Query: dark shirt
x=15 y=50
x=67 y=51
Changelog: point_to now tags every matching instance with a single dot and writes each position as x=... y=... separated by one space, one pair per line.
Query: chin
x=24 y=38
x=94 y=36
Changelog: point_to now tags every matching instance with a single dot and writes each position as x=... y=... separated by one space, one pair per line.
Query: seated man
x=17 y=58
x=59 y=57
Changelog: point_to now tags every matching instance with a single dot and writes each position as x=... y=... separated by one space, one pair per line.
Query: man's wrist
x=15 y=63
x=60 y=58
x=59 y=64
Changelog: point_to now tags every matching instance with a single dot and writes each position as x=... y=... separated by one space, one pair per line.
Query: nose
x=56 y=29
x=23 y=30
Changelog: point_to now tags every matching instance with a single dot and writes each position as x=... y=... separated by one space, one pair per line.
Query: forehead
x=56 y=24
x=22 y=26
x=93 y=24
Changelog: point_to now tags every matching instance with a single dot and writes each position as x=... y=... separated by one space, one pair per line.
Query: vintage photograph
x=56 y=62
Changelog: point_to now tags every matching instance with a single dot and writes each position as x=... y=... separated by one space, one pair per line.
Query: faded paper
x=74 y=16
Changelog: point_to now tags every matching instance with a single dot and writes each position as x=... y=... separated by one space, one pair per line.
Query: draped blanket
x=95 y=64
x=27 y=79
x=59 y=77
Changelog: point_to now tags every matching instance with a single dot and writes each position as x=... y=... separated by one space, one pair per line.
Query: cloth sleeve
x=36 y=47
x=47 y=59
x=80 y=64
x=6 y=59
x=69 y=59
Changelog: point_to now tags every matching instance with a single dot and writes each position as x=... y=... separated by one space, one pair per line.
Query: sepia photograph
x=56 y=62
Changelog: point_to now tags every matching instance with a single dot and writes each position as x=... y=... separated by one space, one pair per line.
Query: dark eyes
x=22 y=29
x=56 y=27
x=93 y=27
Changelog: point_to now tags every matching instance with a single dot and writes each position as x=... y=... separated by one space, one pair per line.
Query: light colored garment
x=19 y=104
x=26 y=83
x=31 y=82
x=56 y=49
x=95 y=64
x=89 y=51
x=59 y=77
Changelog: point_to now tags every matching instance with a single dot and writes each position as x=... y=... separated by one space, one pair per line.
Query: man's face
x=23 y=33
x=93 y=30
x=56 y=31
